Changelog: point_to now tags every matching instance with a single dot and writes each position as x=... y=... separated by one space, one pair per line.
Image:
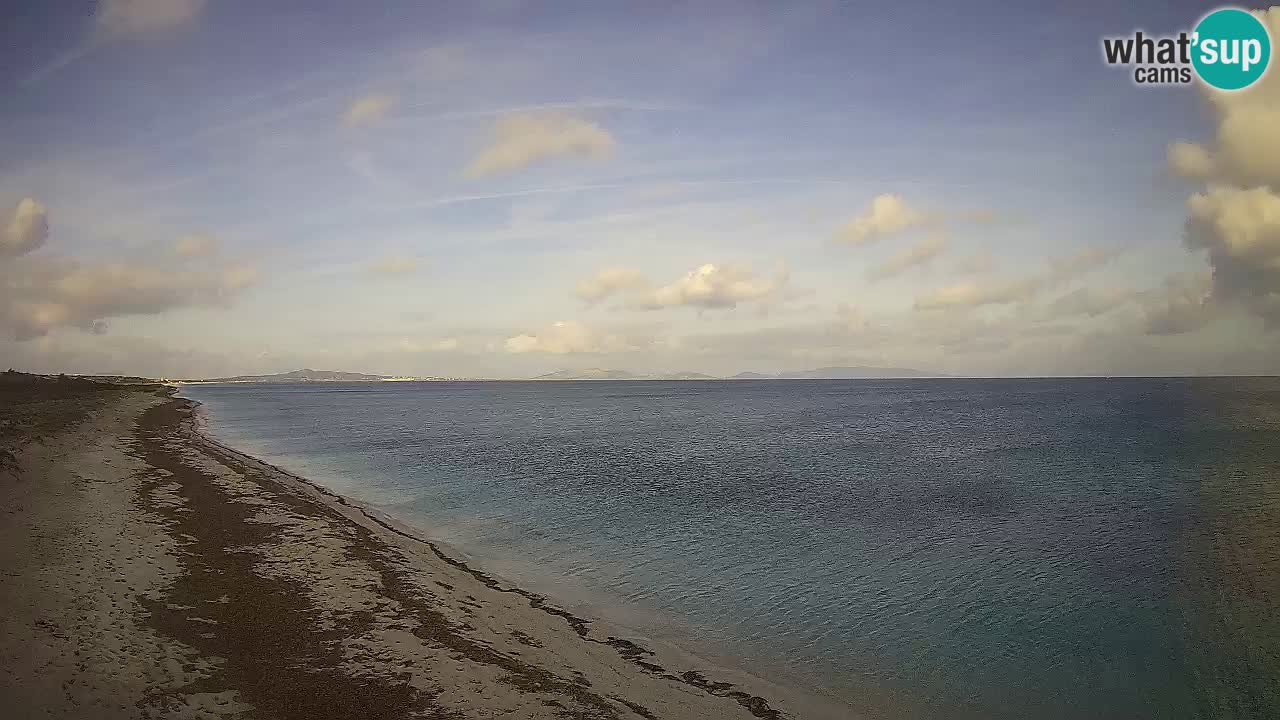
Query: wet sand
x=152 y=572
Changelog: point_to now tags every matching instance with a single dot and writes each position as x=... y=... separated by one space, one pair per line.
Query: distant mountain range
x=311 y=376
x=826 y=373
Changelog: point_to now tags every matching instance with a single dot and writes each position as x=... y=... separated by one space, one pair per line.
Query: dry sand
x=151 y=572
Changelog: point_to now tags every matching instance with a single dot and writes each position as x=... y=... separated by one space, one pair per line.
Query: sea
x=949 y=548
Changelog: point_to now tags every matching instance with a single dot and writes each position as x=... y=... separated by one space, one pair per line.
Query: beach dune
x=151 y=572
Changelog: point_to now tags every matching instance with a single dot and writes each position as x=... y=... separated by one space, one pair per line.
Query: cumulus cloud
x=1246 y=148
x=523 y=139
x=43 y=293
x=131 y=17
x=368 y=110
x=566 y=337
x=1240 y=230
x=916 y=256
x=608 y=281
x=193 y=246
x=394 y=265
x=27 y=229
x=711 y=286
x=1237 y=227
x=1190 y=160
x=887 y=215
x=1236 y=219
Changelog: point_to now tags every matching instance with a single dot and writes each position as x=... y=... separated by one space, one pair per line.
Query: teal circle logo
x=1230 y=49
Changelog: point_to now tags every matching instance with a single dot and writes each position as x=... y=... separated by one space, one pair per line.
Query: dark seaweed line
x=759 y=707
x=432 y=626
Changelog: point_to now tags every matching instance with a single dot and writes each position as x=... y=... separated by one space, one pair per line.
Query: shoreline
x=286 y=599
x=636 y=633
x=630 y=649
x=636 y=648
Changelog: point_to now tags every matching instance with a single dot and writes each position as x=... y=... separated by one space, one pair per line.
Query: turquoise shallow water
x=928 y=548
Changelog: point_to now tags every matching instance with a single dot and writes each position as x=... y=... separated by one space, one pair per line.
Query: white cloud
x=394 y=265
x=1240 y=229
x=27 y=229
x=915 y=256
x=1190 y=160
x=522 y=139
x=41 y=292
x=131 y=17
x=1242 y=226
x=38 y=294
x=193 y=246
x=1236 y=220
x=1246 y=148
x=608 y=281
x=887 y=215
x=446 y=345
x=368 y=110
x=712 y=286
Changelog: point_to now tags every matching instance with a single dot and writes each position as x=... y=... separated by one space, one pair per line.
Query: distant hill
x=308 y=376
x=825 y=373
x=684 y=376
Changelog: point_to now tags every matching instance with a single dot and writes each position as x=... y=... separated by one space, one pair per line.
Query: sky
x=194 y=188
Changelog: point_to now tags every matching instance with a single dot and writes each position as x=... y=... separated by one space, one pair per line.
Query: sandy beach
x=152 y=572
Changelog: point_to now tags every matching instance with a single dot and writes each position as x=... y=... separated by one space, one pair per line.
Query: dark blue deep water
x=1081 y=548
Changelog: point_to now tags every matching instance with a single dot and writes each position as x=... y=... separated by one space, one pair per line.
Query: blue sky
x=509 y=188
